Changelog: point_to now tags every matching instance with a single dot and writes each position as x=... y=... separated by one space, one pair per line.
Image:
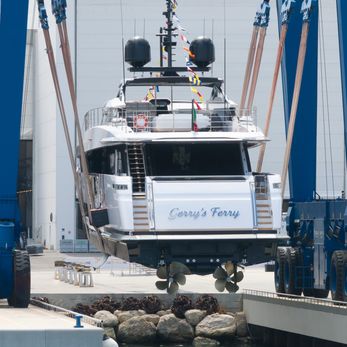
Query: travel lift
x=14 y=262
x=315 y=260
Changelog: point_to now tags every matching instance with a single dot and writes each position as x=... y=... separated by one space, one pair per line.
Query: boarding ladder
x=263 y=203
x=137 y=172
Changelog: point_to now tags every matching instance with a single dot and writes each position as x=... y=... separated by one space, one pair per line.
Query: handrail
x=133 y=119
x=291 y=297
x=68 y=313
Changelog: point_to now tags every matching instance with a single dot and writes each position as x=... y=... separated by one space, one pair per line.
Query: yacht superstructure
x=173 y=173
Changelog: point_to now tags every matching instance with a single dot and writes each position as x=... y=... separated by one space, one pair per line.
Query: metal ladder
x=263 y=203
x=137 y=171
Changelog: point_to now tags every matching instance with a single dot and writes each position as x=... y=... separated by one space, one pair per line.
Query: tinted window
x=107 y=160
x=194 y=159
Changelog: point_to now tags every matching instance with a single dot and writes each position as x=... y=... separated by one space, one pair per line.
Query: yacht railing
x=132 y=119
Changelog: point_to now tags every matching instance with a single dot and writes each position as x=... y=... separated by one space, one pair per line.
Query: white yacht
x=173 y=173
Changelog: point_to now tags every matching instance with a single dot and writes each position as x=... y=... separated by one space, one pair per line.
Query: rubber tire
x=20 y=297
x=337 y=275
x=292 y=284
x=279 y=269
x=316 y=293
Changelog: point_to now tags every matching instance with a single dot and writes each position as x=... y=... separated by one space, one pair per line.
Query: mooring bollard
x=78 y=321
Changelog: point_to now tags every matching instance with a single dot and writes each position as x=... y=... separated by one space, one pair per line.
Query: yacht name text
x=177 y=213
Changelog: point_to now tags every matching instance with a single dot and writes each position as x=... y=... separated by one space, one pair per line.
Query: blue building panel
x=302 y=164
x=342 y=26
x=13 y=29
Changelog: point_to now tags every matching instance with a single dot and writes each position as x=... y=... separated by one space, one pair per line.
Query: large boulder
x=136 y=330
x=172 y=329
x=153 y=318
x=216 y=326
x=194 y=317
x=163 y=312
x=205 y=342
x=241 y=325
x=110 y=333
x=125 y=315
x=108 y=319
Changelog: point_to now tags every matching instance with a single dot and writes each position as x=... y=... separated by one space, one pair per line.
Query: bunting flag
x=194 y=118
x=193 y=78
x=174 y=4
x=197 y=104
x=150 y=95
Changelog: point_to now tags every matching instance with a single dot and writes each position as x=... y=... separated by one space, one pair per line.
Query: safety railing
x=132 y=119
x=296 y=298
x=67 y=313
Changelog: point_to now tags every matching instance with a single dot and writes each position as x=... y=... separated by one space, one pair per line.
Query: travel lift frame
x=315 y=260
x=14 y=263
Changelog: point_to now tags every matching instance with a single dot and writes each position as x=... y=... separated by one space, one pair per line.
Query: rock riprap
x=125 y=315
x=108 y=319
x=216 y=326
x=172 y=329
x=136 y=330
x=194 y=317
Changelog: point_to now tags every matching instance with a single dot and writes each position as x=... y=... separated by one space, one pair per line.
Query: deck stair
x=263 y=203
x=137 y=168
x=140 y=211
x=137 y=171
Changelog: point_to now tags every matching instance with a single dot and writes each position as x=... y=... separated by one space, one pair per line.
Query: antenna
x=122 y=26
x=225 y=52
x=168 y=43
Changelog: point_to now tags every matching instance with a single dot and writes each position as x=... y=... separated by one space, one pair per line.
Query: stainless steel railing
x=66 y=313
x=134 y=119
x=290 y=297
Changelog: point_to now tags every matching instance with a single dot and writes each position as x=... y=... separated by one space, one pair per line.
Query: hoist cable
x=27 y=73
x=323 y=112
x=284 y=29
x=256 y=69
x=249 y=67
x=295 y=102
x=63 y=115
x=327 y=103
x=64 y=40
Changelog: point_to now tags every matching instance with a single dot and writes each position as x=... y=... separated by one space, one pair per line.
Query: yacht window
x=194 y=159
x=108 y=161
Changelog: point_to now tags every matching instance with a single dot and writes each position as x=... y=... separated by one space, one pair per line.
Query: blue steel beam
x=342 y=25
x=13 y=30
x=302 y=164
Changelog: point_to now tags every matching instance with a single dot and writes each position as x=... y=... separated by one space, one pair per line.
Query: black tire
x=292 y=282
x=337 y=275
x=279 y=269
x=20 y=297
x=316 y=293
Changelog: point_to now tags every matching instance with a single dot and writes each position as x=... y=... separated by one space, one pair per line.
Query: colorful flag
x=194 y=118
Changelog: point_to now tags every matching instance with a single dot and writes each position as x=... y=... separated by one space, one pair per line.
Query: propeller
x=227 y=277
x=173 y=276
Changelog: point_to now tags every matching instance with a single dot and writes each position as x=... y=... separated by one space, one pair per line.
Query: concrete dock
x=36 y=327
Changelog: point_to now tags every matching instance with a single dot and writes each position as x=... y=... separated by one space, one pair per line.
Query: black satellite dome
x=203 y=50
x=137 y=52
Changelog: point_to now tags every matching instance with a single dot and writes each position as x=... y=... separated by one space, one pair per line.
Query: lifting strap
x=260 y=24
x=52 y=64
x=59 y=10
x=285 y=12
x=306 y=9
x=249 y=67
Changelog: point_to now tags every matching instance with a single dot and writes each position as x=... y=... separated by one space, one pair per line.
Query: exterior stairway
x=137 y=171
x=263 y=203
